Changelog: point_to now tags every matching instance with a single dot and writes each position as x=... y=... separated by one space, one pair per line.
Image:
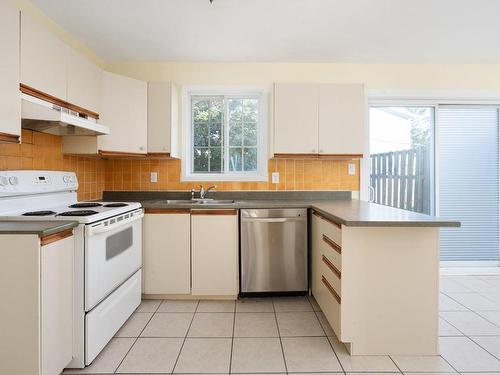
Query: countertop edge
x=59 y=226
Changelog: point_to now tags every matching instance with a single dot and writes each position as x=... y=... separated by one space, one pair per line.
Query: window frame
x=226 y=92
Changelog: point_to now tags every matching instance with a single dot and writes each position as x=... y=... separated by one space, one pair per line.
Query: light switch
x=275 y=177
x=352 y=169
x=154 y=176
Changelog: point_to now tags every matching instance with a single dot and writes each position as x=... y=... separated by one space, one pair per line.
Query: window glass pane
x=216 y=160
x=200 y=159
x=235 y=134
x=250 y=134
x=200 y=137
x=401 y=156
x=216 y=134
x=235 y=159
x=250 y=110
x=250 y=159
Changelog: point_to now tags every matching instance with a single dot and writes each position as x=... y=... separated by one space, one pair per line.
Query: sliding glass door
x=469 y=182
x=402 y=157
x=443 y=160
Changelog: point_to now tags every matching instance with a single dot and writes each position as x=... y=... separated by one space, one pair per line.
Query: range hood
x=43 y=116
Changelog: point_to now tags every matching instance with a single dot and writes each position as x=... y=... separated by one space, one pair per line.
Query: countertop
x=338 y=207
x=40 y=228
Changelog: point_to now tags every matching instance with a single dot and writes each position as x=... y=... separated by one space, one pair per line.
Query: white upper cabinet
x=84 y=82
x=296 y=118
x=43 y=59
x=163 y=118
x=341 y=119
x=10 y=109
x=125 y=110
x=323 y=119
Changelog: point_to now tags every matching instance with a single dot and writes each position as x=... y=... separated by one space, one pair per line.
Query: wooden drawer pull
x=332 y=244
x=56 y=237
x=321 y=216
x=330 y=288
x=331 y=266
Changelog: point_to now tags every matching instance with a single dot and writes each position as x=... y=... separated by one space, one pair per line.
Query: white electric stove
x=108 y=251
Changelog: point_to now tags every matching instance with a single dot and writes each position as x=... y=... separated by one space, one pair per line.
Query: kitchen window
x=225 y=135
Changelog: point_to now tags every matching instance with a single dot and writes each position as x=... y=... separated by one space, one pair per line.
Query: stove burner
x=85 y=205
x=39 y=213
x=116 y=205
x=78 y=213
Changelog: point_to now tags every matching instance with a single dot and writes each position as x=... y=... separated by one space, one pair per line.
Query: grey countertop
x=40 y=228
x=335 y=205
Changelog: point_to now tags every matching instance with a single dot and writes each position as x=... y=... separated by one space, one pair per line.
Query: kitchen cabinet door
x=10 y=109
x=214 y=252
x=43 y=59
x=296 y=118
x=125 y=110
x=84 y=82
x=162 y=118
x=341 y=119
x=57 y=305
x=166 y=253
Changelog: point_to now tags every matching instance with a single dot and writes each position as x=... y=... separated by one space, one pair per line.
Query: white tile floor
x=291 y=335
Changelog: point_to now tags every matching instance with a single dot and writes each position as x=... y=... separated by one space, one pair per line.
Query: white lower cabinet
x=36 y=286
x=166 y=252
x=214 y=249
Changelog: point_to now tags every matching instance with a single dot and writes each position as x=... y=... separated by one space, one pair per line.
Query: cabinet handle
x=331 y=266
x=332 y=244
x=316 y=213
x=141 y=148
x=330 y=289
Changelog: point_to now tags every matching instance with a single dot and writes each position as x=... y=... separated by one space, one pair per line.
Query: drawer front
x=330 y=228
x=331 y=250
x=332 y=274
x=330 y=305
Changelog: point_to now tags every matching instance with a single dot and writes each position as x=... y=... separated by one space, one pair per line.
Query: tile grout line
x=137 y=338
x=279 y=336
x=486 y=350
x=185 y=337
x=232 y=340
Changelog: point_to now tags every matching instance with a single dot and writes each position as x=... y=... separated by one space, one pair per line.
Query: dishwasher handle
x=273 y=219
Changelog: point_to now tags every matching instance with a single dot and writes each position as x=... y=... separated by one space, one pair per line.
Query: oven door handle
x=101 y=228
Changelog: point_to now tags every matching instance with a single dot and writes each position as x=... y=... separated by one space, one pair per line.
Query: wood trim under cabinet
x=214 y=212
x=158 y=154
x=330 y=289
x=9 y=138
x=332 y=244
x=121 y=154
x=317 y=156
x=331 y=266
x=25 y=89
x=323 y=217
x=167 y=211
x=45 y=240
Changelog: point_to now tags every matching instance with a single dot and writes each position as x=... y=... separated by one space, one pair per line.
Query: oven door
x=113 y=253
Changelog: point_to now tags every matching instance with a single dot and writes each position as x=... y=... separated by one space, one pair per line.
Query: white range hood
x=43 y=116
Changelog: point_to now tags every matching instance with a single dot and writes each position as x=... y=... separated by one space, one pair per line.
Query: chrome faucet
x=203 y=192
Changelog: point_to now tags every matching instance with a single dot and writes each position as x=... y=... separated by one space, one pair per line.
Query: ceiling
x=356 y=31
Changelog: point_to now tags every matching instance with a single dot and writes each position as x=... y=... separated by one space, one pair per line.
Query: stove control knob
x=4 y=181
x=13 y=180
x=67 y=179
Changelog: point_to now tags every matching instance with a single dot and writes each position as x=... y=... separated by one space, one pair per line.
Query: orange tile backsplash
x=43 y=151
x=295 y=174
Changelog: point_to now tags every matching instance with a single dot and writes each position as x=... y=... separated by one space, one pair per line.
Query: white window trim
x=228 y=91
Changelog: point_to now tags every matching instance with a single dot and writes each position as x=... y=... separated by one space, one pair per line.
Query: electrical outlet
x=352 y=169
x=154 y=176
x=275 y=177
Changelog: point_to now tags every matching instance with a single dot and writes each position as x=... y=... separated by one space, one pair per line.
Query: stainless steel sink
x=200 y=201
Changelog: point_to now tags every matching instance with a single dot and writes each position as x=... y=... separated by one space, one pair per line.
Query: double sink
x=201 y=201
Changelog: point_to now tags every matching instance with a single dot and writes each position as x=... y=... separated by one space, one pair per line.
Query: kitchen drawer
x=332 y=250
x=330 y=305
x=330 y=228
x=331 y=273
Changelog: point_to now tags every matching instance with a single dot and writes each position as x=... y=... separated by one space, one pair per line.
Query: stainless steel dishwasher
x=273 y=250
